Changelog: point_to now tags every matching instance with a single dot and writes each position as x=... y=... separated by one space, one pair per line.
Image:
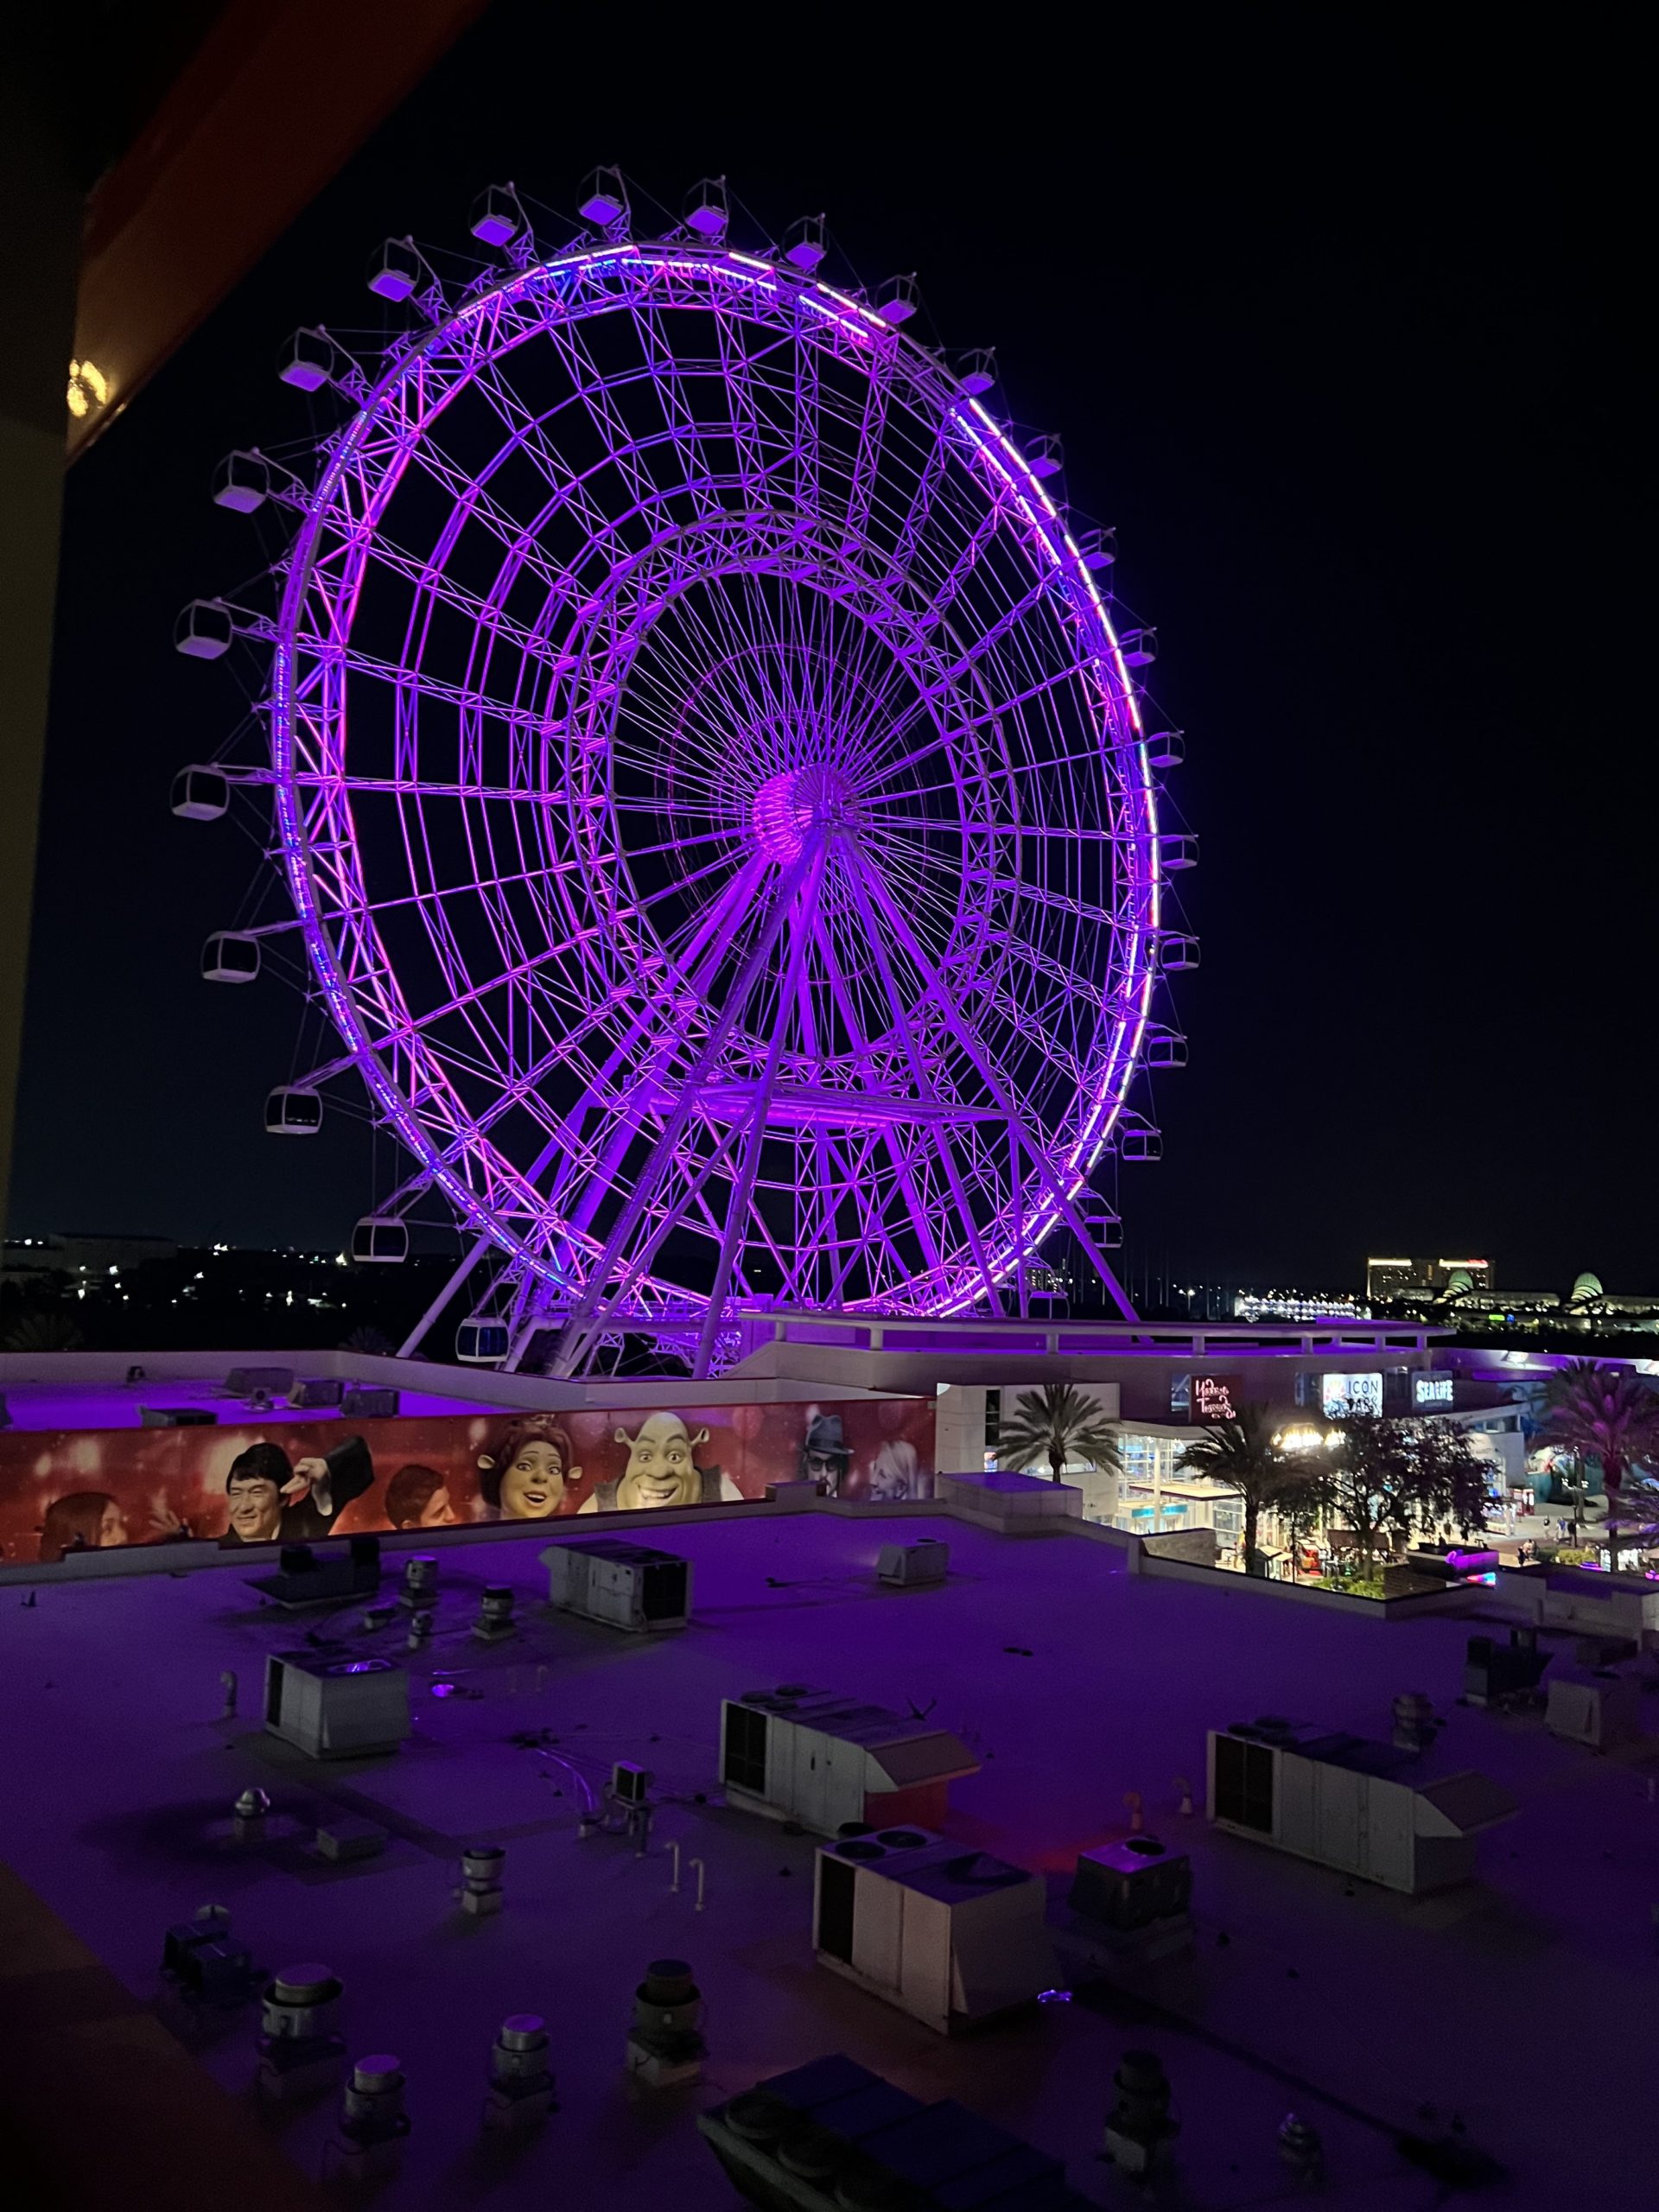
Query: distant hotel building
x=1387 y=1278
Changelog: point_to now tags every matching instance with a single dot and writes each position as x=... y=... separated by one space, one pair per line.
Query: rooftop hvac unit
x=369 y=1401
x=243 y=1382
x=627 y=1585
x=335 y=1708
x=805 y=1755
x=1366 y=1808
x=630 y=1784
x=890 y=2147
x=318 y=1390
x=301 y=1579
x=1133 y=1897
x=1594 y=1707
x=952 y=1937
x=913 y=1566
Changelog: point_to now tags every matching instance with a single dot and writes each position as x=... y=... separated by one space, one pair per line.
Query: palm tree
x=1241 y=1456
x=371 y=1342
x=1606 y=1413
x=45 y=1328
x=1058 y=1422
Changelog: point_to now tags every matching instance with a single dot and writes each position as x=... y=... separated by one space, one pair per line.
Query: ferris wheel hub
x=792 y=806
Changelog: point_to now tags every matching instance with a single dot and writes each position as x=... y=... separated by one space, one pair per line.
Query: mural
x=282 y=1481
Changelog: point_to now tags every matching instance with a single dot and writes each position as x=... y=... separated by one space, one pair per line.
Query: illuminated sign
x=1350 y=1394
x=1431 y=1389
x=1217 y=1397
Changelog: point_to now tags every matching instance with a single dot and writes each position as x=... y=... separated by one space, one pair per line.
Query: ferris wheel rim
x=994 y=447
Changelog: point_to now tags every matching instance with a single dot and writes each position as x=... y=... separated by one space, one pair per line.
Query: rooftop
x=1073 y=1681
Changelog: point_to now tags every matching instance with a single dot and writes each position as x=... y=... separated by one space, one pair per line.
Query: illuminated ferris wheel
x=711 y=792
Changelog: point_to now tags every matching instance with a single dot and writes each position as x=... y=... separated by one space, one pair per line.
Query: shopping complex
x=865 y=1410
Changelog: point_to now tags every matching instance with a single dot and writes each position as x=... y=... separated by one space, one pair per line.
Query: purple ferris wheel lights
x=713 y=798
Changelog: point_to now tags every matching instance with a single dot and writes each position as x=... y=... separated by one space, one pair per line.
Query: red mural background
x=281 y=1480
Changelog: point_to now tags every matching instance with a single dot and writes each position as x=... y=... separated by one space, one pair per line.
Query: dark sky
x=1338 y=332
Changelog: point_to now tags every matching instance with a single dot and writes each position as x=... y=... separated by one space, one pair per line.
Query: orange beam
x=276 y=99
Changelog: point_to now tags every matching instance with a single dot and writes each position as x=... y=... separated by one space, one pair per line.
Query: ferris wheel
x=713 y=796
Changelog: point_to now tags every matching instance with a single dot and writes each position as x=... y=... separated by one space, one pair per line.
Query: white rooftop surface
x=116 y=1405
x=1520 y=2005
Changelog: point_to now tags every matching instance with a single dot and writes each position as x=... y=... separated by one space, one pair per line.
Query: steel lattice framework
x=714 y=799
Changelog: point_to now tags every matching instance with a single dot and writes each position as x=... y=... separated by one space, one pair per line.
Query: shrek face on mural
x=661 y=1464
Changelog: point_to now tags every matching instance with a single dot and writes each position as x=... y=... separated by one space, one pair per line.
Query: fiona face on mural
x=526 y=1475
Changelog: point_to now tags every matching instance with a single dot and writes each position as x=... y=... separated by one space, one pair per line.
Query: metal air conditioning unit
x=913 y=1566
x=952 y=1937
x=335 y=1708
x=1366 y=1808
x=627 y=1585
x=805 y=1755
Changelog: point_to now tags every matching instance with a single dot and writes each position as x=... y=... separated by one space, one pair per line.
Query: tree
x=44 y=1328
x=371 y=1342
x=1389 y=1476
x=1058 y=1422
x=1606 y=1414
x=1241 y=1456
x=1451 y=1476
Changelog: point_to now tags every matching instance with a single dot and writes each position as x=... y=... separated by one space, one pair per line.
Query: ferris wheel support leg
x=407 y=1349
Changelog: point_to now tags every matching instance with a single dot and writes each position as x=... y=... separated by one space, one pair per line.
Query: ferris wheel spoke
x=974 y=1047
x=740 y=1198
x=989 y=717
x=583 y=1310
x=965 y=1214
x=861 y=1048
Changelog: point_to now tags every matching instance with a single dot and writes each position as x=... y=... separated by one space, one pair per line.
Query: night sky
x=1343 y=345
